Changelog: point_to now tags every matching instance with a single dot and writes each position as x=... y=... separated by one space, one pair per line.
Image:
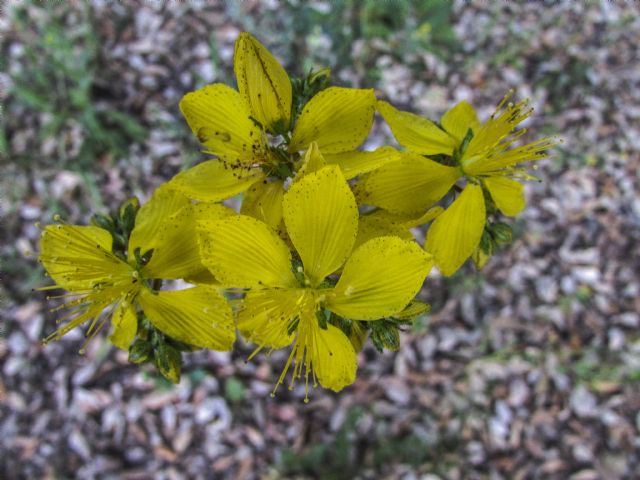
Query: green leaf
x=127 y=124
x=32 y=98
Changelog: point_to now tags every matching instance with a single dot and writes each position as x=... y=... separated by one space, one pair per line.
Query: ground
x=527 y=369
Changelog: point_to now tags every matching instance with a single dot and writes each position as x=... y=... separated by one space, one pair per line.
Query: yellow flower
x=285 y=305
x=481 y=154
x=257 y=140
x=102 y=284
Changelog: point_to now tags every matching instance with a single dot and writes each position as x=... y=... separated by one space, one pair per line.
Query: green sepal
x=168 y=361
x=459 y=152
x=343 y=324
x=305 y=88
x=321 y=315
x=140 y=351
x=293 y=325
x=384 y=334
x=487 y=244
x=142 y=260
x=298 y=272
x=128 y=218
x=502 y=233
x=181 y=346
x=104 y=221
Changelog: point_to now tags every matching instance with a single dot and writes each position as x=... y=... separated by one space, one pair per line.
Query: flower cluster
x=321 y=255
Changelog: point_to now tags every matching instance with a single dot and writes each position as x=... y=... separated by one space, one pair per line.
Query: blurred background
x=529 y=369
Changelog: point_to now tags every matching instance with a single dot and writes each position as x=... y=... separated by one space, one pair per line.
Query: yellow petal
x=381 y=224
x=176 y=252
x=459 y=119
x=494 y=160
x=489 y=151
x=243 y=252
x=339 y=119
x=198 y=316
x=152 y=216
x=78 y=258
x=202 y=277
x=507 y=194
x=413 y=310
x=166 y=224
x=124 y=326
x=219 y=117
x=211 y=211
x=455 y=234
x=416 y=133
x=262 y=82
x=381 y=277
x=429 y=215
x=206 y=214
x=358 y=336
x=212 y=181
x=409 y=185
x=263 y=201
x=265 y=316
x=321 y=216
x=480 y=258
x=333 y=358
x=312 y=162
x=355 y=163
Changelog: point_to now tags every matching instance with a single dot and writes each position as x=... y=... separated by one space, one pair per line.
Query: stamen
x=92 y=335
x=285 y=369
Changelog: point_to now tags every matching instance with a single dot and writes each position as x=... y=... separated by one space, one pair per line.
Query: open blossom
x=481 y=155
x=290 y=296
x=257 y=136
x=103 y=285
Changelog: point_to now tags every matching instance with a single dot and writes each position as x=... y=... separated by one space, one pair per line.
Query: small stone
x=448 y=339
x=616 y=339
x=499 y=425
x=627 y=319
x=476 y=453
x=18 y=343
x=397 y=391
x=518 y=393
x=587 y=275
x=547 y=289
x=30 y=212
x=430 y=476
x=582 y=453
x=583 y=402
x=65 y=182
x=255 y=437
x=587 y=474
x=469 y=309
x=427 y=346
x=337 y=419
x=182 y=439
x=135 y=454
x=169 y=419
x=212 y=408
x=78 y=443
x=568 y=285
